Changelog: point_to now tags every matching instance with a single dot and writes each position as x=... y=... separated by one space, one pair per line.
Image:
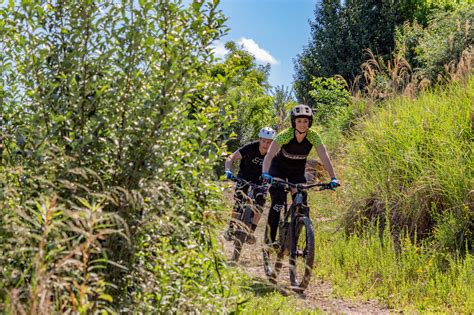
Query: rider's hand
x=267 y=178
x=228 y=174
x=334 y=183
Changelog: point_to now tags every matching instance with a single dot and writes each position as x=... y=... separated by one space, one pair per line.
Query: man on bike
x=251 y=158
x=286 y=160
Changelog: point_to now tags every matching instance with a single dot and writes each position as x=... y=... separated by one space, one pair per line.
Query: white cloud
x=219 y=49
x=260 y=54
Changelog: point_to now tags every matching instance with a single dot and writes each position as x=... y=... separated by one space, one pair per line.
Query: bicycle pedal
x=229 y=235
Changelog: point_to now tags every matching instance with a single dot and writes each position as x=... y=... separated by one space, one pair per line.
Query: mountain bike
x=295 y=238
x=253 y=203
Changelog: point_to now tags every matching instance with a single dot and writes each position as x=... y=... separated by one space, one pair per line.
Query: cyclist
x=251 y=158
x=286 y=160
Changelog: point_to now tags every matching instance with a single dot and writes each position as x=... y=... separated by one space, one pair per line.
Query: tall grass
x=412 y=163
x=415 y=278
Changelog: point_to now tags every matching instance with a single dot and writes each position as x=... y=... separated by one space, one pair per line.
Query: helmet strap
x=301 y=133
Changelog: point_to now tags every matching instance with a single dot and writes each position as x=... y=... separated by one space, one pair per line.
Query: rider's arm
x=316 y=141
x=272 y=151
x=323 y=155
x=236 y=156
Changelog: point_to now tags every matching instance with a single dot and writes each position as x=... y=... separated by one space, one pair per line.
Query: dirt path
x=316 y=296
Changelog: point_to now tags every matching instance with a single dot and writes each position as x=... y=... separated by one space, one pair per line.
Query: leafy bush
x=53 y=253
x=123 y=91
x=443 y=41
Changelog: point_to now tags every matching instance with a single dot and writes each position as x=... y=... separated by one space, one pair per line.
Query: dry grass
x=382 y=80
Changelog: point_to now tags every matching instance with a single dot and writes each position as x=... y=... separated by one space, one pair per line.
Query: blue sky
x=274 y=31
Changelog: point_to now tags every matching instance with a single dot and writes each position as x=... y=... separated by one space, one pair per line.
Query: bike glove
x=334 y=183
x=267 y=178
x=228 y=174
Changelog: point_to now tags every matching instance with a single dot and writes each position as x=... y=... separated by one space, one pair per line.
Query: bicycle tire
x=300 y=277
x=272 y=258
x=240 y=235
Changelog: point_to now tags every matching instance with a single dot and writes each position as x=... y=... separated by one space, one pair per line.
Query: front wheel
x=242 y=232
x=302 y=255
x=272 y=257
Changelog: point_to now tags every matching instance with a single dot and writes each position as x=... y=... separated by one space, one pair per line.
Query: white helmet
x=266 y=133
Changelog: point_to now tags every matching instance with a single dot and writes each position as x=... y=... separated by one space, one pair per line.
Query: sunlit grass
x=417 y=278
x=413 y=158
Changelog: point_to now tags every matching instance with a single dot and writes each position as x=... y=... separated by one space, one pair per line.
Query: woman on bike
x=251 y=158
x=286 y=160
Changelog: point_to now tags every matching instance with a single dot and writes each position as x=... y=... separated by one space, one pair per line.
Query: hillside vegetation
x=405 y=207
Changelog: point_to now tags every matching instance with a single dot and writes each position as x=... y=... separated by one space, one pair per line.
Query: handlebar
x=323 y=186
x=241 y=180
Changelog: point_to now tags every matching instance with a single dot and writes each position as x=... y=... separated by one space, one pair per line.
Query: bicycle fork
x=294 y=213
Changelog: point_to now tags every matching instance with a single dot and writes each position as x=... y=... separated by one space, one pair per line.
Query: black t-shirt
x=293 y=154
x=251 y=162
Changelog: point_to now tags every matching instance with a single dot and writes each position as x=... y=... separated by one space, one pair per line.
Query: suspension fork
x=293 y=215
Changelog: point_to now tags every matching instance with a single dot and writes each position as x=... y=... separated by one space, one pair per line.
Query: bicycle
x=296 y=238
x=253 y=202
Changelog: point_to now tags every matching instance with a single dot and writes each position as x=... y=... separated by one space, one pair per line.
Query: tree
x=283 y=101
x=248 y=89
x=341 y=32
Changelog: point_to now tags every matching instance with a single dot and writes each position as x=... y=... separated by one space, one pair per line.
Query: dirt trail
x=316 y=296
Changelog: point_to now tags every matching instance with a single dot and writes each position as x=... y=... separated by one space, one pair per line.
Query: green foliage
x=331 y=96
x=124 y=91
x=411 y=165
x=283 y=102
x=442 y=42
x=53 y=256
x=247 y=88
x=341 y=32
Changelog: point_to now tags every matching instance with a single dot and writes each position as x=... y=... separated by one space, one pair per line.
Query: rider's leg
x=258 y=209
x=299 y=178
x=278 y=197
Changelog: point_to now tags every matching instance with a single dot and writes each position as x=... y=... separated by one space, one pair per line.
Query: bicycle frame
x=297 y=204
x=246 y=216
x=255 y=190
x=293 y=220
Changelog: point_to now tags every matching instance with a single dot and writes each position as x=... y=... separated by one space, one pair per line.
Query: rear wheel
x=302 y=259
x=239 y=240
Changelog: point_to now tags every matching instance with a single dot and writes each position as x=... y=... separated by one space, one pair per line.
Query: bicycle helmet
x=266 y=133
x=301 y=110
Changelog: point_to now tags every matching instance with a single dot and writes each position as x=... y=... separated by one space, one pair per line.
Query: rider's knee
x=278 y=195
